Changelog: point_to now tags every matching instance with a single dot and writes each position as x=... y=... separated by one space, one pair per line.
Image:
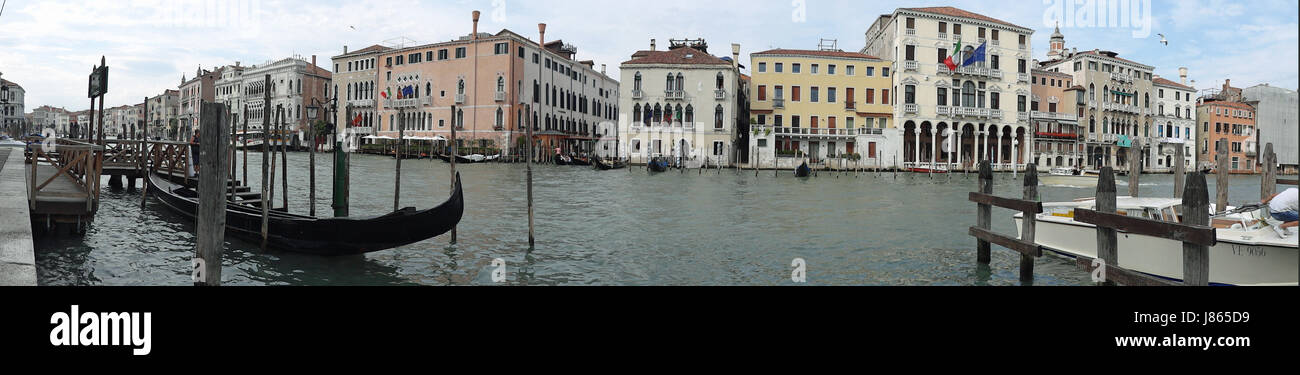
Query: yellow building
x=827 y=105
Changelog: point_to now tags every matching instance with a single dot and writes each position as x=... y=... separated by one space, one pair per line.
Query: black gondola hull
x=330 y=236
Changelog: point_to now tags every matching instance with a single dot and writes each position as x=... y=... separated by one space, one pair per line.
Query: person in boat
x=1283 y=208
x=194 y=154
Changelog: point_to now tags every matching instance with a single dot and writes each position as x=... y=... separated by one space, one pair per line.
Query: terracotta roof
x=804 y=52
x=1041 y=72
x=1162 y=81
x=678 y=57
x=373 y=48
x=954 y=12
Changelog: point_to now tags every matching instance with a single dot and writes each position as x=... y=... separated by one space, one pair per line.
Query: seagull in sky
x=1163 y=40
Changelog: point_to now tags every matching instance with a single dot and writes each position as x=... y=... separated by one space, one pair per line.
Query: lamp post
x=340 y=201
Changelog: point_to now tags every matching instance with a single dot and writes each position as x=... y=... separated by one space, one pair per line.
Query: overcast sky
x=49 y=46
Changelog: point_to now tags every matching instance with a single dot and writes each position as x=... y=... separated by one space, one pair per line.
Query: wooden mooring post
x=284 y=158
x=266 y=128
x=1221 y=176
x=455 y=152
x=213 y=160
x=144 y=160
x=1197 y=237
x=1134 y=168
x=1028 y=206
x=397 y=153
x=1180 y=170
x=1268 y=182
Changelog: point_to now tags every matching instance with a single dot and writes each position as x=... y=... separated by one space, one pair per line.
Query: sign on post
x=98 y=82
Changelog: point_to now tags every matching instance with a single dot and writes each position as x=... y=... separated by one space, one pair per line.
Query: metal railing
x=912 y=65
x=720 y=94
x=826 y=132
x=778 y=103
x=638 y=94
x=460 y=98
x=674 y=94
x=499 y=96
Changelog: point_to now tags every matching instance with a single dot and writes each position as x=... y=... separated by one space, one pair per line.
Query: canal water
x=622 y=227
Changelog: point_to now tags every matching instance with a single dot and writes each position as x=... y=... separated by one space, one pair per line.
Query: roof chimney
x=313 y=60
x=475 y=35
x=652 y=44
x=345 y=50
x=541 y=35
x=1182 y=76
x=602 y=69
x=735 y=55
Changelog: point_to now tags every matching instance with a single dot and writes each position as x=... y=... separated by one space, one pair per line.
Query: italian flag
x=949 y=62
x=385 y=92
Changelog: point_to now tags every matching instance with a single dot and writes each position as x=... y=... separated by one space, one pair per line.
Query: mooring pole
x=245 y=140
x=266 y=128
x=984 y=218
x=1180 y=171
x=311 y=170
x=144 y=163
x=1196 y=211
x=454 y=154
x=397 y=152
x=284 y=158
x=1268 y=184
x=212 y=208
x=1134 y=168
x=1221 y=181
x=1030 y=222
x=1106 y=201
x=274 y=155
x=340 y=169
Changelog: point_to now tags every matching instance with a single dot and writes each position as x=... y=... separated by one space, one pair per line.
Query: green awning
x=1121 y=93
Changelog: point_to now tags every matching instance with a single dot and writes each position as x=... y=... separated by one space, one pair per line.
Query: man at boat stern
x=1283 y=208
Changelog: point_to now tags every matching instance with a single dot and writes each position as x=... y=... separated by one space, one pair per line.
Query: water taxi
x=1070 y=177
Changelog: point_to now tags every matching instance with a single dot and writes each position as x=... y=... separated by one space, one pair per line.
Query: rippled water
x=622 y=227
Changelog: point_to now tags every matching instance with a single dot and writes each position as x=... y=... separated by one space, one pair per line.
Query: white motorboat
x=5 y=141
x=1248 y=252
x=1069 y=177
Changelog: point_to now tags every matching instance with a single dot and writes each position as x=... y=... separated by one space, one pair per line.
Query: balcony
x=814 y=132
x=638 y=94
x=1024 y=47
x=971 y=71
x=402 y=103
x=983 y=113
x=943 y=35
x=460 y=98
x=996 y=42
x=850 y=106
x=912 y=66
x=1054 y=116
x=1022 y=77
x=674 y=95
x=720 y=94
x=500 y=96
x=1069 y=135
x=778 y=103
x=995 y=113
x=1124 y=78
x=910 y=32
x=1022 y=116
x=911 y=109
x=366 y=103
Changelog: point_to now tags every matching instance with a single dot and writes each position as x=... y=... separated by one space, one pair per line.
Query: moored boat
x=1248 y=252
x=658 y=164
x=1070 y=177
x=926 y=169
x=321 y=236
x=605 y=165
x=803 y=170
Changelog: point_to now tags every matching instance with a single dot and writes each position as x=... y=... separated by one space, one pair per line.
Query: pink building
x=490 y=81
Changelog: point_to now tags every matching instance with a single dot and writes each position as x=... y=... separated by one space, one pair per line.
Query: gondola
x=803 y=170
x=475 y=158
x=561 y=160
x=317 y=236
x=580 y=161
x=657 y=165
x=605 y=165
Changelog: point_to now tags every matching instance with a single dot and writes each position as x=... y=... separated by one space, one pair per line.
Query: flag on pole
x=356 y=121
x=977 y=56
x=384 y=93
x=952 y=65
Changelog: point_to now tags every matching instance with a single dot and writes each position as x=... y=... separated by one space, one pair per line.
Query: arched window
x=717 y=117
x=428 y=89
x=636 y=113
x=669 y=84
x=968 y=94
x=681 y=82
x=720 y=81
x=501 y=117
x=1092 y=124
x=690 y=114
x=649 y=114
x=658 y=114
x=501 y=84
x=1092 y=92
x=636 y=84
x=460 y=87
x=677 y=114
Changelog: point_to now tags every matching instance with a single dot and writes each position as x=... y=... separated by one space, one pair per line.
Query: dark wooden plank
x=1121 y=276
x=1281 y=181
x=1197 y=234
x=1011 y=203
x=1029 y=227
x=1107 y=241
x=213 y=161
x=1026 y=248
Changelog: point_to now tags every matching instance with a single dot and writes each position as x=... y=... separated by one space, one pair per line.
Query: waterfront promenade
x=17 y=259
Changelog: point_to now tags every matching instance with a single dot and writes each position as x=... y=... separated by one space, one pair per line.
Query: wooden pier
x=63 y=182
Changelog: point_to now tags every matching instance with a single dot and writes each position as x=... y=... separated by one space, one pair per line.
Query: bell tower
x=1057 y=44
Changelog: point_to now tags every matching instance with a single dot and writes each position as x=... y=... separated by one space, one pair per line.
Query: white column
x=916 y=148
x=959 y=144
x=997 y=149
x=934 y=146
